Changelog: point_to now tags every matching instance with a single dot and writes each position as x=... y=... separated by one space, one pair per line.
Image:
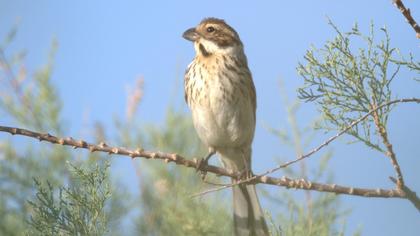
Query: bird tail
x=247 y=213
x=248 y=216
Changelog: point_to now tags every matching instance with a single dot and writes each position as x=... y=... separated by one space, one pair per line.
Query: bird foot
x=203 y=162
x=244 y=175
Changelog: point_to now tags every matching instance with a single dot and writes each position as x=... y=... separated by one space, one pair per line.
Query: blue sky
x=105 y=45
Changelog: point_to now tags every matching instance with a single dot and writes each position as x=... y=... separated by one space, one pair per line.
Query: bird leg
x=246 y=173
x=204 y=162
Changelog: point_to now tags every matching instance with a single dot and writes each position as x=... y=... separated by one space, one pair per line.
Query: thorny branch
x=409 y=194
x=328 y=141
x=179 y=160
x=390 y=152
x=402 y=192
x=407 y=14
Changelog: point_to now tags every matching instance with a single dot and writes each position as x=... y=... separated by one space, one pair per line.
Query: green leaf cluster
x=75 y=210
x=347 y=82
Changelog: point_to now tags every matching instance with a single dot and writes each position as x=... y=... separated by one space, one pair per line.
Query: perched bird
x=221 y=95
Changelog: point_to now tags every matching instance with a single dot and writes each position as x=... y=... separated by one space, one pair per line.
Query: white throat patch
x=212 y=48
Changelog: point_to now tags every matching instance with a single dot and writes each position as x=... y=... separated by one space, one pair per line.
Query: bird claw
x=244 y=174
x=203 y=162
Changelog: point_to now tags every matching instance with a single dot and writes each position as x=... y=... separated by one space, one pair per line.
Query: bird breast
x=221 y=104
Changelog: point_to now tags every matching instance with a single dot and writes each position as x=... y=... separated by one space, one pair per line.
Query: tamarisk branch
x=407 y=14
x=179 y=160
x=331 y=139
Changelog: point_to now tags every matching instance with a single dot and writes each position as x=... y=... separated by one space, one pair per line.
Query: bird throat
x=203 y=51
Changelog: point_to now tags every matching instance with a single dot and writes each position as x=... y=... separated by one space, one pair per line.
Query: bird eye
x=210 y=29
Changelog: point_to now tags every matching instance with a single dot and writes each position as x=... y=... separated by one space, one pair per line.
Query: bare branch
x=320 y=187
x=179 y=160
x=256 y=179
x=406 y=100
x=390 y=152
x=407 y=14
x=410 y=195
x=103 y=147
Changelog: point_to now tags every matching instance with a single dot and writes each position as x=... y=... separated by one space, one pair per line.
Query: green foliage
x=166 y=205
x=19 y=96
x=346 y=83
x=304 y=213
x=411 y=64
x=75 y=210
x=33 y=102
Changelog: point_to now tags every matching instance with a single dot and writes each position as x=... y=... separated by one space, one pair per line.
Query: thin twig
x=320 y=187
x=407 y=14
x=409 y=194
x=179 y=160
x=328 y=141
x=390 y=151
x=103 y=147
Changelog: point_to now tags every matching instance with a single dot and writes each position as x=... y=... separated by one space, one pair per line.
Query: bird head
x=213 y=36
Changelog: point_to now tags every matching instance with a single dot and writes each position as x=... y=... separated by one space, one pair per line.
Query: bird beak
x=190 y=35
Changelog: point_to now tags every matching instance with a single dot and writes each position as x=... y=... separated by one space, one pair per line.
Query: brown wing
x=253 y=95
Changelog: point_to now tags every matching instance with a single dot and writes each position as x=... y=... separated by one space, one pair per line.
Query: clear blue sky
x=105 y=45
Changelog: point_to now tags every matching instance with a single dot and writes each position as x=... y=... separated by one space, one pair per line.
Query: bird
x=220 y=93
